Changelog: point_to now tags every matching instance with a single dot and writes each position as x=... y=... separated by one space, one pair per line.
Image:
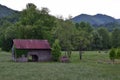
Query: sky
x=68 y=8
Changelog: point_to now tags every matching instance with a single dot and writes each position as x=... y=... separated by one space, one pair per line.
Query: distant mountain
x=118 y=20
x=98 y=19
x=5 y=11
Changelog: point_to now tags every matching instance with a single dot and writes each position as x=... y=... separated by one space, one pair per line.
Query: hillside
x=8 y=15
x=5 y=11
x=118 y=20
x=97 y=19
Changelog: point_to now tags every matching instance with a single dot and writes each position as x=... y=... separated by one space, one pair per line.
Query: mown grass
x=94 y=66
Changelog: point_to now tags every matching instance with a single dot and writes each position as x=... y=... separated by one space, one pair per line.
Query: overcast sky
x=70 y=7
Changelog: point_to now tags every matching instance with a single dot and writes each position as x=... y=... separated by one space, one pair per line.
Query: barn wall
x=43 y=55
x=22 y=59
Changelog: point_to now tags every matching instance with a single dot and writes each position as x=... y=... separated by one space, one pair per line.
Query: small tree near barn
x=56 y=50
x=112 y=54
x=118 y=54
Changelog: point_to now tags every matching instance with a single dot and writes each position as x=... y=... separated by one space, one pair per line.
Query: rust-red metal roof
x=31 y=44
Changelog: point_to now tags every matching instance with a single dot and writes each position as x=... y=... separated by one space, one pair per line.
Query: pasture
x=94 y=66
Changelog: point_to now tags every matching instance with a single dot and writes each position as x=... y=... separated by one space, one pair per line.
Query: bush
x=19 y=53
x=64 y=59
x=56 y=51
x=112 y=54
x=118 y=54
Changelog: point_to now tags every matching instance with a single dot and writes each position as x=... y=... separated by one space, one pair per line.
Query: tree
x=82 y=37
x=103 y=32
x=112 y=54
x=115 y=37
x=82 y=40
x=6 y=37
x=84 y=26
x=118 y=53
x=65 y=32
x=29 y=15
x=56 y=50
x=96 y=41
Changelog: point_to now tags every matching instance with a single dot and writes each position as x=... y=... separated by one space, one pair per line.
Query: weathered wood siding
x=43 y=55
x=22 y=59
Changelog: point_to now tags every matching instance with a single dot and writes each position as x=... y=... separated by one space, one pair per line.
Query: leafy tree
x=82 y=37
x=5 y=37
x=97 y=41
x=118 y=53
x=56 y=50
x=115 y=37
x=84 y=26
x=103 y=32
x=38 y=23
x=29 y=15
x=112 y=54
x=65 y=32
x=82 y=41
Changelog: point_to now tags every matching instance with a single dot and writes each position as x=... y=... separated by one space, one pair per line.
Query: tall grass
x=94 y=66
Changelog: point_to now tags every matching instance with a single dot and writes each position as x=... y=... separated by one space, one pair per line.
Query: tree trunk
x=113 y=61
x=65 y=53
x=80 y=54
x=69 y=54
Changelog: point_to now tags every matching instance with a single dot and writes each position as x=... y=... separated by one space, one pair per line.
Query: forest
x=32 y=23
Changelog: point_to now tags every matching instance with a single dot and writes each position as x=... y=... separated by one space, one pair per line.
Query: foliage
x=56 y=51
x=103 y=32
x=82 y=37
x=65 y=33
x=118 y=53
x=97 y=41
x=19 y=53
x=112 y=54
x=115 y=38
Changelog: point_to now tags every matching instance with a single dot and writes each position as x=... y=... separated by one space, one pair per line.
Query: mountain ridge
x=97 y=19
x=5 y=11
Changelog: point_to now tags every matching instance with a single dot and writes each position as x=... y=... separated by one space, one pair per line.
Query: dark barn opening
x=34 y=58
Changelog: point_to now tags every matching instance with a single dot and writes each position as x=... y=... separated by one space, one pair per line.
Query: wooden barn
x=25 y=50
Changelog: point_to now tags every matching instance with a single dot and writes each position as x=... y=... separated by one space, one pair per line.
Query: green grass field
x=94 y=66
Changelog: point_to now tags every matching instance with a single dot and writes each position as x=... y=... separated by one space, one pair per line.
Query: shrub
x=19 y=53
x=56 y=50
x=64 y=59
x=112 y=54
x=118 y=54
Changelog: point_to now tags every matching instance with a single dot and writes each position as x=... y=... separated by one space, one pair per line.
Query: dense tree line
x=32 y=23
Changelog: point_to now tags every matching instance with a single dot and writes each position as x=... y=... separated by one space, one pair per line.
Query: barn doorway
x=34 y=58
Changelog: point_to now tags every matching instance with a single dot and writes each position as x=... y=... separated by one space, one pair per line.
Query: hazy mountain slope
x=98 y=19
x=104 y=18
x=5 y=11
